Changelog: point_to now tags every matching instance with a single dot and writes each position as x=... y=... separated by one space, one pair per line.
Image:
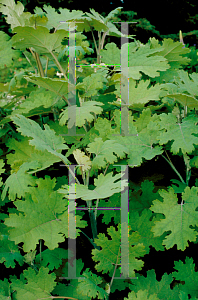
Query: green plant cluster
x=35 y=118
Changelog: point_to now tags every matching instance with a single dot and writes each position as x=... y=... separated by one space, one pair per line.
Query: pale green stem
x=114 y=271
x=46 y=66
x=173 y=167
x=59 y=65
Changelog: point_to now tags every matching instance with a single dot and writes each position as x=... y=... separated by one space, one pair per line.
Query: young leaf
x=105 y=187
x=82 y=159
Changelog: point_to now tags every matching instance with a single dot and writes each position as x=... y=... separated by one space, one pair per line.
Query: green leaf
x=9 y=252
x=6 y=51
x=141 y=295
x=138 y=61
x=52 y=258
x=104 y=152
x=105 y=187
x=27 y=153
x=107 y=259
x=57 y=86
x=39 y=39
x=82 y=113
x=185 y=100
x=177 y=217
x=43 y=140
x=186 y=272
x=141 y=93
x=89 y=286
x=38 y=285
x=160 y=288
x=142 y=224
x=181 y=134
x=37 y=99
x=172 y=51
x=18 y=182
x=91 y=84
x=54 y=17
x=43 y=216
x=140 y=144
x=15 y=13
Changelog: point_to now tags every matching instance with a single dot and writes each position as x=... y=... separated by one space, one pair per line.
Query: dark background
x=155 y=18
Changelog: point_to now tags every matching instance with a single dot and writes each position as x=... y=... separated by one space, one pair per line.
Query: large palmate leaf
x=88 y=286
x=9 y=252
x=141 y=93
x=43 y=216
x=107 y=258
x=181 y=134
x=177 y=218
x=141 y=60
x=39 y=39
x=37 y=285
x=186 y=273
x=153 y=286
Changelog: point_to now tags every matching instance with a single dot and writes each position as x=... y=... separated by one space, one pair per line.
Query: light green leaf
x=181 y=134
x=39 y=39
x=105 y=187
x=15 y=13
x=107 y=259
x=18 y=182
x=27 y=153
x=44 y=215
x=44 y=140
x=104 y=152
x=81 y=113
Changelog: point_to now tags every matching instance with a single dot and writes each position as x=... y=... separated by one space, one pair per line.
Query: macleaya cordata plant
x=37 y=207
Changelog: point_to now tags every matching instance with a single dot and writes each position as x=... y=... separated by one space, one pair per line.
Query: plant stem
x=46 y=66
x=173 y=167
x=59 y=65
x=91 y=241
x=114 y=271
